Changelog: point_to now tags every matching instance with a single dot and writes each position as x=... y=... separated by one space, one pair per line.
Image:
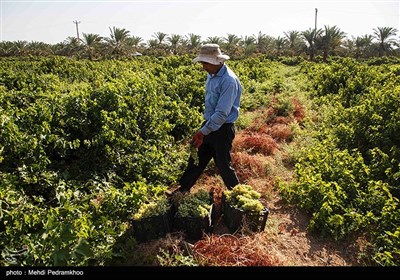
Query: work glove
x=197 y=139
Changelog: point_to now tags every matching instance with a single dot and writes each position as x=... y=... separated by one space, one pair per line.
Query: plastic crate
x=194 y=227
x=153 y=227
x=236 y=219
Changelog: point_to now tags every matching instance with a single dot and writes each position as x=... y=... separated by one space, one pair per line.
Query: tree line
x=310 y=43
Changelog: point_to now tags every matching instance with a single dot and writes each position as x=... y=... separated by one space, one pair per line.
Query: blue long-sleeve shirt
x=222 y=101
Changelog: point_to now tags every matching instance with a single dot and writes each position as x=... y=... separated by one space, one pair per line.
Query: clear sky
x=53 y=21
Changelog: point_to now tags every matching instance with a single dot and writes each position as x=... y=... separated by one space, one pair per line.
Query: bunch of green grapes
x=195 y=205
x=244 y=197
x=193 y=154
x=249 y=204
x=241 y=190
x=152 y=208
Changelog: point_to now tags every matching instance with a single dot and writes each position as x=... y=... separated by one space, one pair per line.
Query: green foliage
x=84 y=144
x=291 y=60
x=386 y=251
x=79 y=228
x=166 y=258
x=347 y=177
x=283 y=106
x=253 y=101
x=72 y=134
x=259 y=81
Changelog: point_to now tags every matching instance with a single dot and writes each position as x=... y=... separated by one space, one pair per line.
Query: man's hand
x=197 y=139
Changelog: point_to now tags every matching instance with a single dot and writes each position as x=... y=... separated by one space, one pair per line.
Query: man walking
x=214 y=139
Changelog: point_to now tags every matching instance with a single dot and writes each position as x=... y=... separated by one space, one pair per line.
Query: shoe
x=169 y=193
x=176 y=199
x=172 y=191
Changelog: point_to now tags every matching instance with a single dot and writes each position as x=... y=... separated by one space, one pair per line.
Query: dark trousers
x=216 y=145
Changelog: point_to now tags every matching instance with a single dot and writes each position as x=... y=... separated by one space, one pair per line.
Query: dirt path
x=287 y=233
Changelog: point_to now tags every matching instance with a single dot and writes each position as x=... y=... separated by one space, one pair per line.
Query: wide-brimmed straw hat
x=211 y=53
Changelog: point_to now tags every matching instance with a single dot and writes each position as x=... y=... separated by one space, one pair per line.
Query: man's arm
x=222 y=110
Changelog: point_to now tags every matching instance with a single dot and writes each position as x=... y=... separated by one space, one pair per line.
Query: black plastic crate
x=153 y=227
x=194 y=227
x=236 y=219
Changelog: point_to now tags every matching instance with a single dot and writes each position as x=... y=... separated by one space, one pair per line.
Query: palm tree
x=59 y=48
x=193 y=42
x=331 y=39
x=363 y=45
x=72 y=46
x=6 y=48
x=157 y=45
x=280 y=44
x=311 y=36
x=249 y=45
x=383 y=34
x=21 y=47
x=152 y=43
x=91 y=42
x=174 y=41
x=135 y=44
x=292 y=38
x=214 y=40
x=232 y=43
x=160 y=37
x=38 y=48
x=136 y=40
x=263 y=42
x=117 y=40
